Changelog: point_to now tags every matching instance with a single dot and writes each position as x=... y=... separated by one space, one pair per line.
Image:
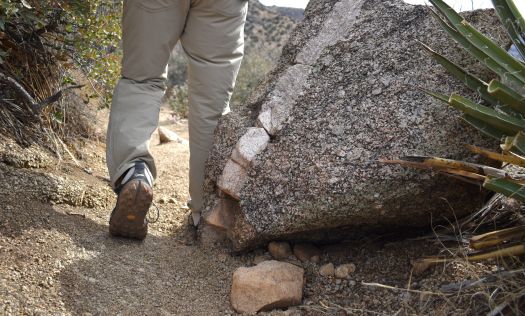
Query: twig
x=467 y=284
x=76 y=214
x=54 y=138
x=20 y=89
x=69 y=152
x=35 y=106
x=400 y=289
x=55 y=97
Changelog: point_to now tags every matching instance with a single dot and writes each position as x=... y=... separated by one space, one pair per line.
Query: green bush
x=86 y=32
x=42 y=42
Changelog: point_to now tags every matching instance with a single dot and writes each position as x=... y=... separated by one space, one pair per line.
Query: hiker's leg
x=214 y=42
x=151 y=28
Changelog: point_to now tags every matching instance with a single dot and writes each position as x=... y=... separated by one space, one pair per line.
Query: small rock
x=305 y=252
x=162 y=200
x=172 y=201
x=166 y=136
x=315 y=259
x=343 y=271
x=279 y=250
x=269 y=285
x=327 y=270
x=351 y=267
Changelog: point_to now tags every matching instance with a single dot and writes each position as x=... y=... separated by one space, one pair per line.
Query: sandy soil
x=56 y=256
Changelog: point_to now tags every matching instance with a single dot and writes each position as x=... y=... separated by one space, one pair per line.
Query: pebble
x=343 y=271
x=280 y=250
x=327 y=270
x=306 y=252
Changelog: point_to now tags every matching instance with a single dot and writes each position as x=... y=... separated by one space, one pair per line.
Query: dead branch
x=55 y=97
x=35 y=106
x=20 y=90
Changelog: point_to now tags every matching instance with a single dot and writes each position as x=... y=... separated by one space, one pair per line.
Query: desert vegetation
x=499 y=114
x=45 y=48
x=59 y=62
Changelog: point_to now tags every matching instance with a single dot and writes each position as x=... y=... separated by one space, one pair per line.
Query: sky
x=457 y=4
x=286 y=3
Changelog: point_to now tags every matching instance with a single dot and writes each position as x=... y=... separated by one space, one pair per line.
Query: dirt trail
x=60 y=258
x=56 y=256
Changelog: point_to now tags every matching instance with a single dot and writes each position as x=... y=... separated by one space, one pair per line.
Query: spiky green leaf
x=511 y=22
x=438 y=96
x=520 y=21
x=515 y=144
x=506 y=187
x=507 y=95
x=478 y=54
x=469 y=80
x=493 y=50
x=480 y=41
x=483 y=127
x=506 y=123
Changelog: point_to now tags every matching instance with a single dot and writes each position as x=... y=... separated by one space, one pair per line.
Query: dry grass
x=492 y=286
x=34 y=105
x=455 y=286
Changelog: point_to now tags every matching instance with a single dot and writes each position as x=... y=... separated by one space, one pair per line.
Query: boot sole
x=133 y=203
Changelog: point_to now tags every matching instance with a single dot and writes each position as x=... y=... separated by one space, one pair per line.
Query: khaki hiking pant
x=212 y=36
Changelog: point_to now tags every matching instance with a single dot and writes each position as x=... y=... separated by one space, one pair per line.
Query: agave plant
x=501 y=115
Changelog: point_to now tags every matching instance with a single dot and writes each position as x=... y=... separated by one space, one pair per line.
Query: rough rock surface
x=268 y=285
x=342 y=97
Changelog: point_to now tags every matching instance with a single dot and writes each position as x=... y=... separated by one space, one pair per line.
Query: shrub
x=40 y=41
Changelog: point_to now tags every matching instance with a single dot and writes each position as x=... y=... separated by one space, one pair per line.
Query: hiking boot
x=135 y=195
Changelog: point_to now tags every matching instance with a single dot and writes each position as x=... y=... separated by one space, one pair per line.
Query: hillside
x=296 y=14
x=268 y=27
